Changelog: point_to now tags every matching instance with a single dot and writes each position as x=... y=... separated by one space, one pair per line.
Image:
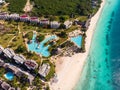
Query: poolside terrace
x=75 y=33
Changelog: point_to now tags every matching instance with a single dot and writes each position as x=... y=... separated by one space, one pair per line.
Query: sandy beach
x=68 y=69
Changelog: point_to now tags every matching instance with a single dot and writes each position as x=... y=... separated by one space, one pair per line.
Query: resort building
x=19 y=73
x=54 y=24
x=1 y=63
x=87 y=23
x=44 y=22
x=31 y=64
x=5 y=86
x=24 y=18
x=1 y=49
x=19 y=59
x=2 y=1
x=0 y=82
x=34 y=19
x=8 y=53
x=14 y=16
x=67 y=24
x=44 y=70
x=13 y=68
x=80 y=23
x=4 y=16
x=75 y=22
x=11 y=88
x=30 y=78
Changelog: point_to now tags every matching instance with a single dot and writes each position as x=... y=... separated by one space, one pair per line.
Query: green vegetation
x=21 y=49
x=83 y=43
x=16 y=6
x=4 y=39
x=40 y=38
x=13 y=37
x=29 y=35
x=21 y=82
x=62 y=34
x=67 y=44
x=63 y=18
x=82 y=18
x=62 y=7
x=2 y=71
x=33 y=56
x=38 y=83
x=17 y=41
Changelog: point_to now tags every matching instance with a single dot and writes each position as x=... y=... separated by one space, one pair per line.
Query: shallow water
x=100 y=71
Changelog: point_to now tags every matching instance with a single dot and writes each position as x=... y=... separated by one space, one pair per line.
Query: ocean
x=102 y=67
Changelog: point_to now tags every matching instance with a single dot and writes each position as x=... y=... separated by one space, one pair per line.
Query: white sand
x=69 y=68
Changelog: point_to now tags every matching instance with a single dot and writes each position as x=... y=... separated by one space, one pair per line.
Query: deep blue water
x=102 y=67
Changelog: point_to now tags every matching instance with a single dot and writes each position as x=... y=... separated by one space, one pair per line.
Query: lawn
x=4 y=39
x=17 y=41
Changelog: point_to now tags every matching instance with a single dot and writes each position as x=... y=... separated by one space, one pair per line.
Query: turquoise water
x=77 y=40
x=9 y=76
x=40 y=48
x=98 y=72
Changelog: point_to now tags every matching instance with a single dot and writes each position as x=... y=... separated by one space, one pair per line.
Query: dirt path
x=19 y=29
x=11 y=40
x=28 y=7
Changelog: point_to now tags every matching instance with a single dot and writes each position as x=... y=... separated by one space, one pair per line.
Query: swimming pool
x=77 y=40
x=40 y=48
x=9 y=76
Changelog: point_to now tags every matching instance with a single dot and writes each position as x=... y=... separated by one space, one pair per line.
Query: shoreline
x=68 y=69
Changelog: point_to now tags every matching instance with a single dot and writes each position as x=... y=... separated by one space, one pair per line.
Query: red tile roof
x=31 y=64
x=24 y=16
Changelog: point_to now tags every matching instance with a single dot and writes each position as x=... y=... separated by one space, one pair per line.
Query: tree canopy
x=62 y=7
x=40 y=38
x=16 y=6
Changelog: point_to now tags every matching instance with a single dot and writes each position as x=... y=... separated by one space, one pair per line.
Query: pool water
x=77 y=40
x=9 y=76
x=40 y=48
